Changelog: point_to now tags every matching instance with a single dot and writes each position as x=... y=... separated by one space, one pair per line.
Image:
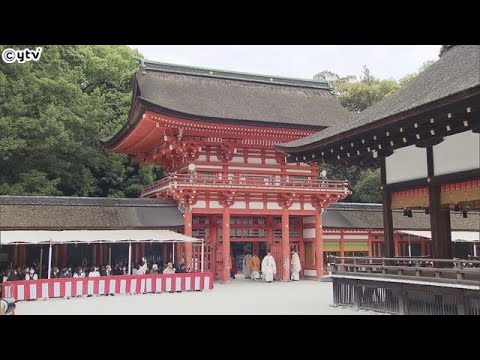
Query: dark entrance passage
x=240 y=248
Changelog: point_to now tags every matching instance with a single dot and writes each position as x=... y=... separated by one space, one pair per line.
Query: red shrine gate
x=237 y=184
x=226 y=175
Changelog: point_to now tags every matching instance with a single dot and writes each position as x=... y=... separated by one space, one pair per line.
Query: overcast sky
x=300 y=61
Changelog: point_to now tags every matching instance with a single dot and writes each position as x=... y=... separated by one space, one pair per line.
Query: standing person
x=154 y=270
x=55 y=273
x=255 y=267
x=247 y=272
x=295 y=266
x=31 y=275
x=169 y=269
x=269 y=268
x=14 y=276
x=142 y=270
x=94 y=272
x=233 y=267
x=79 y=273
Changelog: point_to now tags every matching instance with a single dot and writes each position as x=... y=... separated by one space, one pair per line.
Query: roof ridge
x=81 y=201
x=151 y=65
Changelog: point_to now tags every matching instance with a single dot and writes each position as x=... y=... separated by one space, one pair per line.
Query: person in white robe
x=247 y=272
x=269 y=268
x=94 y=272
x=295 y=266
x=142 y=270
x=169 y=269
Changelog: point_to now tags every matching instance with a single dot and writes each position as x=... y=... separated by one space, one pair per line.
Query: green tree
x=54 y=113
x=356 y=96
x=367 y=189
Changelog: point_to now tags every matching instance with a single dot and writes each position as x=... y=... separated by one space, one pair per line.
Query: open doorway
x=240 y=248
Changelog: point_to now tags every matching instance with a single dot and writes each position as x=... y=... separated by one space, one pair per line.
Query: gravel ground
x=240 y=297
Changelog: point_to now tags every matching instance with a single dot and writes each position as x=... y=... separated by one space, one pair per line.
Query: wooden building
x=349 y=229
x=215 y=133
x=424 y=137
x=80 y=213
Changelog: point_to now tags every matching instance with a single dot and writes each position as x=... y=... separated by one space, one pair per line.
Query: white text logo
x=10 y=55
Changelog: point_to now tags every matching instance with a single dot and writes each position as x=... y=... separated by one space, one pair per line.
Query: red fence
x=104 y=285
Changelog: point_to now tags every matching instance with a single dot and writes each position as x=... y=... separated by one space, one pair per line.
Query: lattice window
x=294 y=233
x=204 y=220
x=235 y=220
x=254 y=233
x=201 y=233
x=236 y=233
x=260 y=221
x=294 y=221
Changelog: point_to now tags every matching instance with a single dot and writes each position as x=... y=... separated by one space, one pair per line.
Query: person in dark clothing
x=55 y=273
x=13 y=276
x=181 y=268
x=117 y=270
x=233 y=267
x=103 y=271
x=64 y=273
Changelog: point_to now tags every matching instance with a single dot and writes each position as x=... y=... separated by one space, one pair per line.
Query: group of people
x=268 y=268
x=142 y=267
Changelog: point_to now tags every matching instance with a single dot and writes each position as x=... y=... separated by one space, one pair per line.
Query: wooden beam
x=440 y=226
x=426 y=133
x=389 y=247
x=438 y=180
x=452 y=104
x=430 y=164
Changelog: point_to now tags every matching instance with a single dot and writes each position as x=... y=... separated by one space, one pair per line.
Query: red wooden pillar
x=342 y=243
x=100 y=255
x=318 y=244
x=396 y=240
x=132 y=253
x=109 y=254
x=56 y=256
x=370 y=239
x=93 y=254
x=104 y=254
x=301 y=246
x=62 y=255
x=15 y=256
x=188 y=218
x=164 y=253
x=22 y=256
x=285 y=261
x=178 y=251
x=225 y=274
x=270 y=232
x=213 y=243
x=423 y=248
x=301 y=254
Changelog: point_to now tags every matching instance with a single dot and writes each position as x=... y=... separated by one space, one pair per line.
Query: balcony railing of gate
x=245 y=182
